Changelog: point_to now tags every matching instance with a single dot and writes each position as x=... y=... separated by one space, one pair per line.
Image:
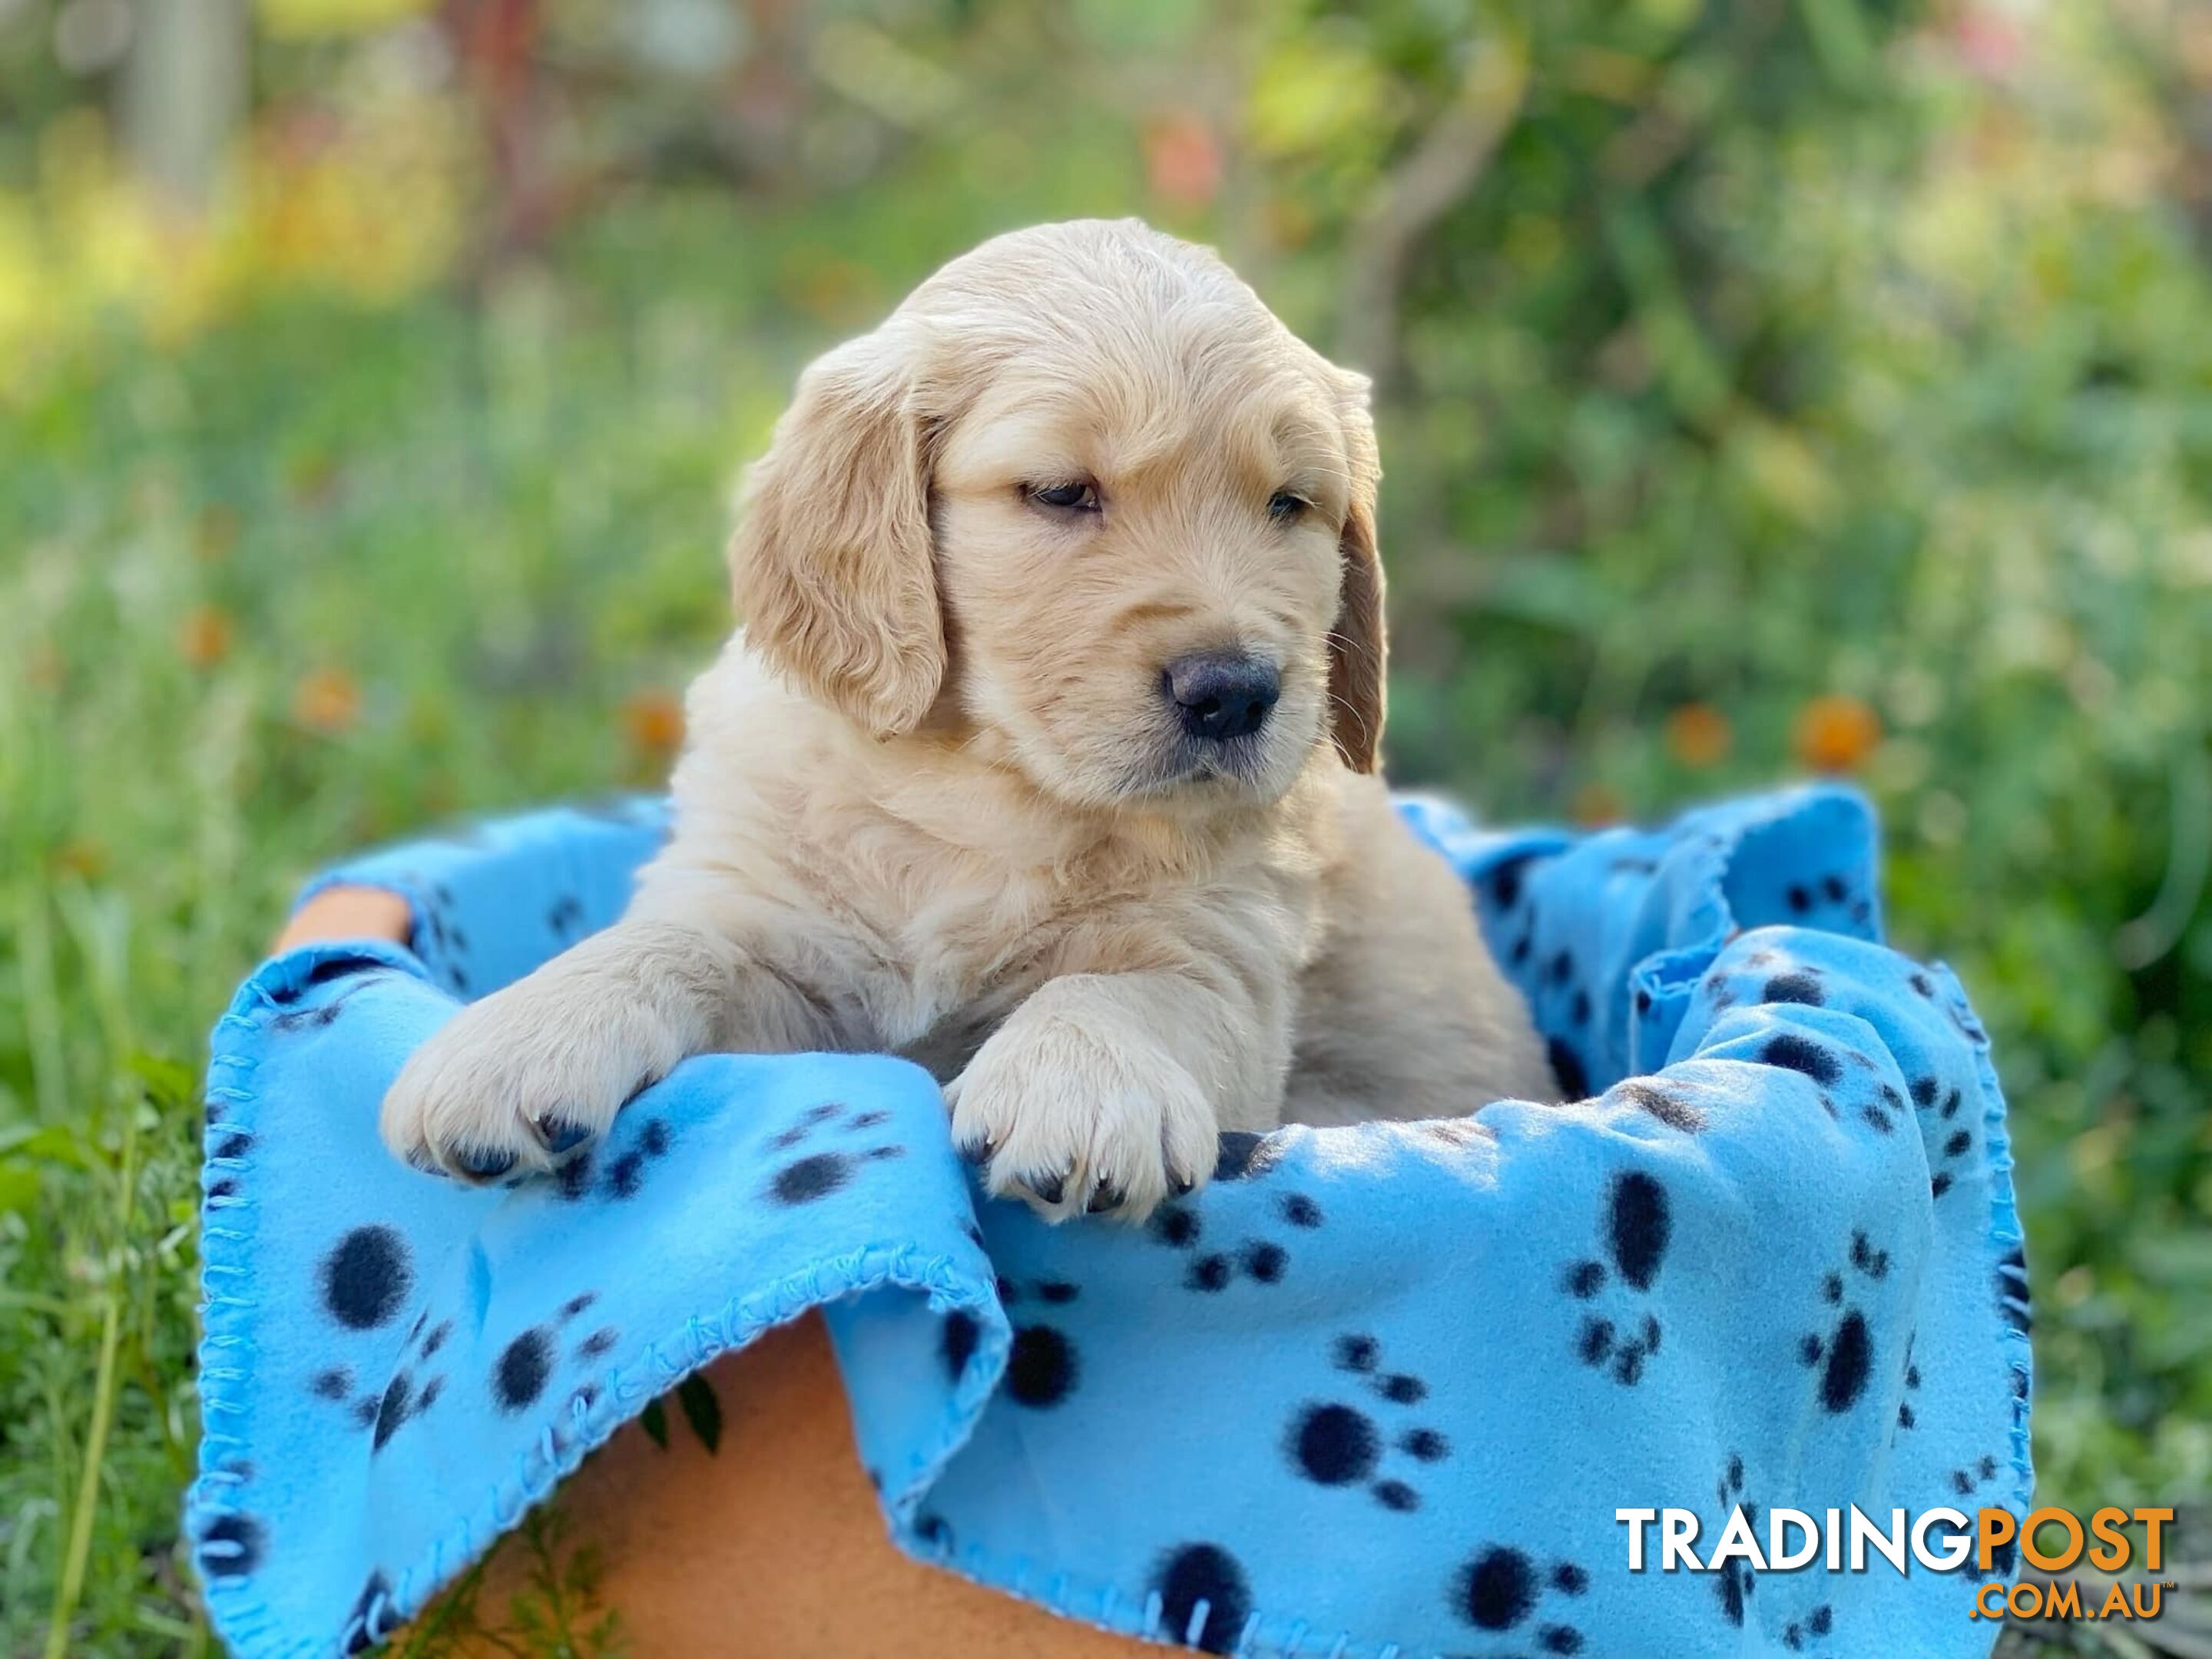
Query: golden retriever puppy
x=1046 y=757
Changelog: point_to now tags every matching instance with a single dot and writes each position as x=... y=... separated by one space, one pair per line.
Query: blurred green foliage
x=1762 y=384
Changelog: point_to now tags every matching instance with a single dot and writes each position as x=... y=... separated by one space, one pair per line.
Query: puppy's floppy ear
x=831 y=566
x=1356 y=644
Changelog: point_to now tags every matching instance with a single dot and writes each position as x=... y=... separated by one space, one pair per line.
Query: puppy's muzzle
x=1221 y=695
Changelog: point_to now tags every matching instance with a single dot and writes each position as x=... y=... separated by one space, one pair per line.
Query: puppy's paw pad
x=1067 y=1122
x=495 y=1095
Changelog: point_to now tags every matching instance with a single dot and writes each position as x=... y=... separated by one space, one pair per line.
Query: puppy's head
x=1085 y=507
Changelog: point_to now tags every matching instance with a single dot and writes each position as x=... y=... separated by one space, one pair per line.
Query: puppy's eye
x=1284 y=506
x=1069 y=497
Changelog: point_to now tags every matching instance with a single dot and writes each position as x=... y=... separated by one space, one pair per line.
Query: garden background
x=1765 y=386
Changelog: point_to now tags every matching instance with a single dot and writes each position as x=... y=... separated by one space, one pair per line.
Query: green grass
x=317 y=480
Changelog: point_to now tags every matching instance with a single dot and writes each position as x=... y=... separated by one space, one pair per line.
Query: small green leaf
x=19 y=1185
x=53 y=1144
x=701 y=1410
x=654 y=1422
x=165 y=1078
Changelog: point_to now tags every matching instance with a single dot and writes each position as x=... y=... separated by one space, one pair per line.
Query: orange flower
x=203 y=636
x=1596 y=805
x=654 y=722
x=1698 y=734
x=326 y=700
x=1835 y=733
x=1183 y=160
x=88 y=859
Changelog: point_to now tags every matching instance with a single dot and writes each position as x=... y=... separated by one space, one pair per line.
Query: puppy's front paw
x=1073 y=1122
x=516 y=1082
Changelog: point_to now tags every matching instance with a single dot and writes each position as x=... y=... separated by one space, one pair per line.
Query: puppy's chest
x=951 y=952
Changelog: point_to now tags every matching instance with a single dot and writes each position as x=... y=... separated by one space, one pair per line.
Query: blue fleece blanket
x=1376 y=1391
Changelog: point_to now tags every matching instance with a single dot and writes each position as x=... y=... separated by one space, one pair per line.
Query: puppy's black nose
x=1222 y=695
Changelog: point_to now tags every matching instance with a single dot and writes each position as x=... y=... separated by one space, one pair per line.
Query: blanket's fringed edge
x=1071 y=1596
x=539 y=1469
x=226 y=1333
x=903 y=1491
x=239 y=1615
x=229 y=1212
x=2007 y=1238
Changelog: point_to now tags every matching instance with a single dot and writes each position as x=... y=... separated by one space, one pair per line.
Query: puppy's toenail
x=558 y=1135
x=979 y=1153
x=1050 y=1189
x=1106 y=1196
x=483 y=1163
x=1181 y=1185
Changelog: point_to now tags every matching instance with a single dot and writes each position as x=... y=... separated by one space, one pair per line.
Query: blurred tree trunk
x=498 y=43
x=1442 y=168
x=184 y=96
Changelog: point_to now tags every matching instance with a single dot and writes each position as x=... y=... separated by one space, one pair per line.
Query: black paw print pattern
x=357 y=972
x=1200 y=1598
x=373 y=1616
x=1260 y=1261
x=1042 y=1366
x=1670 y=1104
x=1963 y=1019
x=413 y=1386
x=1950 y=1144
x=1499 y=894
x=1967 y=1479
x=1550 y=980
x=525 y=1366
x=227 y=1153
x=1456 y=1131
x=1334 y=1444
x=1819 y=902
x=814 y=1174
x=2004 y=1558
x=1844 y=1356
x=1813 y=1631
x=1720 y=996
x=621 y=1176
x=367 y=1279
x=1907 y=1415
x=1567 y=1068
x=1735 y=1581
x=564 y=919
x=1635 y=1230
x=956 y=1343
x=2013 y=1302
x=232 y=1544
x=1794 y=1051
x=1503 y=1588
x=439 y=941
x=1243 y=1155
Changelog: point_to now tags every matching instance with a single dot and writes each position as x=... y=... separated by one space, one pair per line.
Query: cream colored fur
x=934 y=801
